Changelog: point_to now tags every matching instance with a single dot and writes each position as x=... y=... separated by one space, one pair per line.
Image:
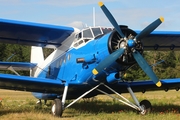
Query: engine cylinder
x=116 y=42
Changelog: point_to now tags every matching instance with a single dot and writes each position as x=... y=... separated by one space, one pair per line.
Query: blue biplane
x=85 y=63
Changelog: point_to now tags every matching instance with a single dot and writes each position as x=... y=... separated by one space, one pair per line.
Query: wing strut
x=137 y=106
x=12 y=69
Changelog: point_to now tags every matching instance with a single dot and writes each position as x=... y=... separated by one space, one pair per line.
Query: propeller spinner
x=131 y=44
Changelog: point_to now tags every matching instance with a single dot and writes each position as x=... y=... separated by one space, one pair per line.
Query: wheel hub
x=53 y=109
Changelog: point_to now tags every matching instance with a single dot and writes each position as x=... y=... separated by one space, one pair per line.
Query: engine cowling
x=116 y=42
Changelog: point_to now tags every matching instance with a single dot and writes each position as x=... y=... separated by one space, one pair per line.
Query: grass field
x=18 y=105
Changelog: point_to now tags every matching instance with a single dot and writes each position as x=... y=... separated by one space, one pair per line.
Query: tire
x=57 y=109
x=146 y=105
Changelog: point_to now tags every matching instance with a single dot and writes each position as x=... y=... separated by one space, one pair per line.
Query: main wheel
x=57 y=109
x=147 y=107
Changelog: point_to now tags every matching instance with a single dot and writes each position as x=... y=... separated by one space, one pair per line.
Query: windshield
x=106 y=30
x=89 y=34
x=96 y=31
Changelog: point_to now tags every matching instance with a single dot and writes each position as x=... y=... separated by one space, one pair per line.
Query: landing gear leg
x=45 y=101
x=39 y=102
x=58 y=105
x=144 y=106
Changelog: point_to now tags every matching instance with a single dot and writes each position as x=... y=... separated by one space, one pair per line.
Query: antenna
x=94 y=17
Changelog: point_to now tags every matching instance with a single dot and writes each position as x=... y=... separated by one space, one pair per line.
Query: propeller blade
x=146 y=31
x=146 y=68
x=111 y=19
x=108 y=61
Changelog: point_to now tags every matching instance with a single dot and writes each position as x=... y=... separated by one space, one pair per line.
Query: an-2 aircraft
x=85 y=63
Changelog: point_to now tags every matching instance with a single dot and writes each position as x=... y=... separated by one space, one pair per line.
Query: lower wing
x=25 y=83
x=44 y=85
x=143 y=86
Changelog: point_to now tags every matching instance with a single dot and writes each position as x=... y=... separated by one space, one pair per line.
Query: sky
x=137 y=14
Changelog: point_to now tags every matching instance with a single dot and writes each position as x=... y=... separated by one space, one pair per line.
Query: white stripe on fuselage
x=57 y=53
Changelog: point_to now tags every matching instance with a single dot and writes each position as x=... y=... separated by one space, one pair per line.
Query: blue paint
x=79 y=73
x=71 y=72
x=131 y=43
x=44 y=96
x=112 y=78
x=33 y=34
x=65 y=70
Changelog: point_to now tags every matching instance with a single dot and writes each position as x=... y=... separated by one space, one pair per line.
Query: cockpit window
x=79 y=35
x=96 y=31
x=87 y=34
x=106 y=30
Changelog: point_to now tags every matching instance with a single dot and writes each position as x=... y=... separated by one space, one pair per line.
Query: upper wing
x=33 y=34
x=162 y=40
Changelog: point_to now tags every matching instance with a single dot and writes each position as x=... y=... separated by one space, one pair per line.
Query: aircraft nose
x=131 y=43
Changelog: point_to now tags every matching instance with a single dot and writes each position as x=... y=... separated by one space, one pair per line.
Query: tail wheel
x=57 y=109
x=147 y=107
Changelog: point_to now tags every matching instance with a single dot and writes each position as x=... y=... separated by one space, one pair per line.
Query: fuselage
x=74 y=66
x=63 y=65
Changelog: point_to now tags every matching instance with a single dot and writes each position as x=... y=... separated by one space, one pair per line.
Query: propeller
x=111 y=19
x=146 y=68
x=131 y=43
x=146 y=31
x=108 y=61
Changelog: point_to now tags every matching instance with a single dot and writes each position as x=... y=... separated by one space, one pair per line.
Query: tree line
x=17 y=53
x=165 y=64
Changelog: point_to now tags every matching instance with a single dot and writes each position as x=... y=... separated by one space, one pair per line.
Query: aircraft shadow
x=96 y=107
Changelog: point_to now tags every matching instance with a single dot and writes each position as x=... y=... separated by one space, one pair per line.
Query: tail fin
x=37 y=57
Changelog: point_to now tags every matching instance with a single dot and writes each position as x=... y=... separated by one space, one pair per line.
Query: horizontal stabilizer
x=23 y=66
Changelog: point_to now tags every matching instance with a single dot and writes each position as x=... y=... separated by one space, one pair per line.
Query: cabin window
x=80 y=42
x=64 y=59
x=60 y=62
x=57 y=64
x=79 y=35
x=69 y=57
x=76 y=44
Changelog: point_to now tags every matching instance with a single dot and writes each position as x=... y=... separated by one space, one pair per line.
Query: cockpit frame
x=88 y=34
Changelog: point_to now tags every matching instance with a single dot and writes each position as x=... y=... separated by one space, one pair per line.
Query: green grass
x=18 y=105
